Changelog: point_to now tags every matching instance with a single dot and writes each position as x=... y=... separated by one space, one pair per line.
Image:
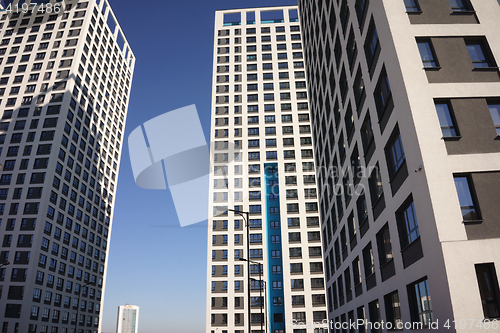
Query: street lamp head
x=242 y=259
x=6 y=263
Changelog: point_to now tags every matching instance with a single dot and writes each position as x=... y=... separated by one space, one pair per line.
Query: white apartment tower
x=65 y=78
x=264 y=169
x=128 y=319
x=409 y=92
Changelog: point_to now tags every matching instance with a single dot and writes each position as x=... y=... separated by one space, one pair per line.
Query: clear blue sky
x=153 y=263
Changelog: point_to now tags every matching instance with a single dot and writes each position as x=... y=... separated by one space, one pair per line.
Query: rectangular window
x=412 y=6
x=374 y=313
x=427 y=53
x=495 y=115
x=359 y=88
x=368 y=262
x=356 y=270
x=395 y=153
x=407 y=223
x=382 y=93
x=375 y=184
x=384 y=245
x=479 y=53
x=419 y=299
x=468 y=204
x=489 y=290
x=393 y=309
x=446 y=120
x=366 y=133
x=372 y=45
x=460 y=5
x=361 y=9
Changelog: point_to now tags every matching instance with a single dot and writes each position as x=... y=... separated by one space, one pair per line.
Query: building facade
x=65 y=80
x=128 y=319
x=405 y=119
x=263 y=165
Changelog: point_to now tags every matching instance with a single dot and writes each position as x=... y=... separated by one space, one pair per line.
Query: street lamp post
x=266 y=309
x=246 y=217
x=78 y=305
x=261 y=268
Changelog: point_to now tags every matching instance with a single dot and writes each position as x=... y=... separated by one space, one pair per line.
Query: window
x=359 y=88
x=412 y=6
x=296 y=268
x=479 y=53
x=376 y=187
x=270 y=119
x=446 y=120
x=374 y=313
x=267 y=76
x=419 y=299
x=284 y=75
x=368 y=262
x=253 y=156
x=366 y=133
x=255 y=209
x=372 y=45
x=269 y=107
x=270 y=130
x=395 y=153
x=384 y=245
x=469 y=207
x=488 y=289
x=427 y=54
x=382 y=93
x=269 y=97
x=407 y=223
x=460 y=5
x=495 y=115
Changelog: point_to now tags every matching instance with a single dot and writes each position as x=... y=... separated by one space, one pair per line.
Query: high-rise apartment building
x=65 y=76
x=408 y=92
x=128 y=319
x=263 y=165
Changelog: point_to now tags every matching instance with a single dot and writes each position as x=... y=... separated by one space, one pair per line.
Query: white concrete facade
x=449 y=253
x=65 y=101
x=245 y=114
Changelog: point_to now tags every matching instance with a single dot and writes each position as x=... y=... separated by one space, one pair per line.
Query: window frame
x=382 y=93
x=450 y=118
x=471 y=196
x=433 y=61
x=371 y=49
x=463 y=6
x=489 y=284
x=409 y=233
x=496 y=122
x=395 y=153
x=384 y=245
x=393 y=309
x=486 y=53
x=412 y=6
x=376 y=185
x=417 y=313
